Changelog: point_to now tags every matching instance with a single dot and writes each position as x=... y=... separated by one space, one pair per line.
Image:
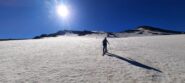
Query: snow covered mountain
x=139 y=31
x=71 y=33
x=147 y=31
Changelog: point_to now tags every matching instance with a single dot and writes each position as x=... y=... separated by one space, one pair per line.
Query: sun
x=63 y=11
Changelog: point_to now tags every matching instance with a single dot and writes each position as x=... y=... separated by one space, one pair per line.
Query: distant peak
x=150 y=28
x=147 y=28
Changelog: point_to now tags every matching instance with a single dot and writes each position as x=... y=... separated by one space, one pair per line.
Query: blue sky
x=28 y=18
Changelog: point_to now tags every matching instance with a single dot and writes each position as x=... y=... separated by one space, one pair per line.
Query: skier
x=105 y=46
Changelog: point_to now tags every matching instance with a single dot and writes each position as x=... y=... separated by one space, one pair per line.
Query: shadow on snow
x=133 y=62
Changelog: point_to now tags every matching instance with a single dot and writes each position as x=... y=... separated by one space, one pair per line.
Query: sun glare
x=62 y=10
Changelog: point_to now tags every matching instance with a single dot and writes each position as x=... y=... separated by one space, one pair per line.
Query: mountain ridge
x=138 y=31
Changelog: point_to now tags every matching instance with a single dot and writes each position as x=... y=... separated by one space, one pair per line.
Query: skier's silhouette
x=105 y=42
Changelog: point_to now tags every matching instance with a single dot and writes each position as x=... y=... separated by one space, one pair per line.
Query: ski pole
x=109 y=47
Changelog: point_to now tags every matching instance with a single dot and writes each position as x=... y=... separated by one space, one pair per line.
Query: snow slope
x=156 y=59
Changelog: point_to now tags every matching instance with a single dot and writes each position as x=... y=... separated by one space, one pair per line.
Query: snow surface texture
x=156 y=59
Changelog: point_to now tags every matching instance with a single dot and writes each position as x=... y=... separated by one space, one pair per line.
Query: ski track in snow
x=79 y=60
